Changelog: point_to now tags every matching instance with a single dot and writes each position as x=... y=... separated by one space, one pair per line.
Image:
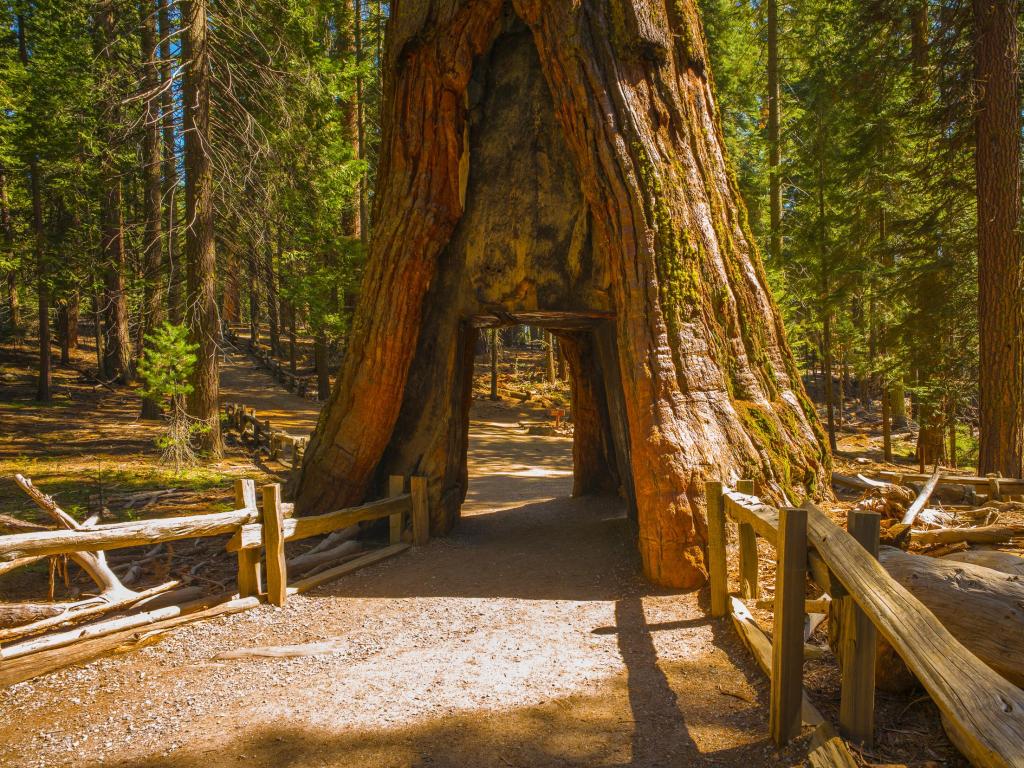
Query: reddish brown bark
x=152 y=203
x=477 y=203
x=201 y=312
x=1000 y=272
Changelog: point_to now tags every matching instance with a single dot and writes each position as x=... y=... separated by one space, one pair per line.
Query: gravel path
x=524 y=639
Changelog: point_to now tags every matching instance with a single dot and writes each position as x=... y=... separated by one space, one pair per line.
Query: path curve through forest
x=526 y=638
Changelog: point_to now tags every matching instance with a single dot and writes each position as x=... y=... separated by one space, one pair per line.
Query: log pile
x=963 y=561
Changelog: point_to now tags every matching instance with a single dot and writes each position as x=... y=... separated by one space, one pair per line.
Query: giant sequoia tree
x=562 y=162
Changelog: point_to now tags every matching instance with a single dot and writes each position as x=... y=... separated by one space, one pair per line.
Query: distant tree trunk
x=292 y=352
x=152 y=179
x=174 y=269
x=774 y=143
x=931 y=444
x=550 y=341
x=271 y=282
x=615 y=99
x=886 y=421
x=951 y=426
x=97 y=324
x=364 y=215
x=7 y=238
x=898 y=403
x=1000 y=271
x=199 y=243
x=323 y=374
x=232 y=305
x=118 y=339
x=254 y=298
x=826 y=354
x=39 y=241
x=494 y=363
x=62 y=333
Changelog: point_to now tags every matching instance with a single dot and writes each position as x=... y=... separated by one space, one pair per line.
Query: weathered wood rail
x=982 y=711
x=256 y=534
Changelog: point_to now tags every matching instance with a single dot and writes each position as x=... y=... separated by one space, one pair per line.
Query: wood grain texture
x=122 y=535
x=983 y=711
x=788 y=634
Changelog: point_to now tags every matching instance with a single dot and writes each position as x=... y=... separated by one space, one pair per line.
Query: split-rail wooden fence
x=982 y=711
x=255 y=534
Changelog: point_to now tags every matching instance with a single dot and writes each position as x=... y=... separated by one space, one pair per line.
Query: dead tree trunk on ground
x=602 y=119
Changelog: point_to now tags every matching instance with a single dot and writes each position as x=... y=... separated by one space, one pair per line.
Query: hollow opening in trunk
x=537 y=379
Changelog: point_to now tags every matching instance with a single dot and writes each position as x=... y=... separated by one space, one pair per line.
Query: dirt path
x=242 y=381
x=525 y=639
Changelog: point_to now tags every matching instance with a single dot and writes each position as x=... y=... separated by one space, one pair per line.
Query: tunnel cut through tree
x=565 y=158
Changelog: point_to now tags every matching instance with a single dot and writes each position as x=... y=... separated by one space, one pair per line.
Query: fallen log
x=13 y=614
x=1004 y=562
x=71 y=616
x=987 y=534
x=26 y=667
x=921 y=500
x=310 y=560
x=10 y=525
x=95 y=565
x=979 y=606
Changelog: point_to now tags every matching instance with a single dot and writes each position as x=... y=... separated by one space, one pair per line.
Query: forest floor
x=527 y=638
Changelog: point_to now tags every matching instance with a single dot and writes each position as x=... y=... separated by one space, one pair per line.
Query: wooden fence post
x=248 y=559
x=420 y=510
x=859 y=641
x=718 y=575
x=788 y=634
x=396 y=487
x=748 y=550
x=273 y=545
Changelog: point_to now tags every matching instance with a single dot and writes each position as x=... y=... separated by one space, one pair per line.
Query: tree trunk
x=118 y=341
x=550 y=342
x=254 y=299
x=7 y=238
x=494 y=363
x=931 y=445
x=323 y=374
x=292 y=352
x=774 y=147
x=97 y=325
x=173 y=270
x=625 y=224
x=63 y=322
x=152 y=177
x=826 y=354
x=199 y=245
x=273 y=317
x=886 y=421
x=39 y=242
x=1000 y=272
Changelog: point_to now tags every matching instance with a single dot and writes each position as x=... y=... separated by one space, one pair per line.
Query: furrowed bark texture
x=201 y=311
x=566 y=159
x=1000 y=272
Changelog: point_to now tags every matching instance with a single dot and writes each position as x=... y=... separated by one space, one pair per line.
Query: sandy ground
x=527 y=638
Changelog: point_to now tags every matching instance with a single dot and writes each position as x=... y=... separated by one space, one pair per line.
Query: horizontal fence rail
x=983 y=712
